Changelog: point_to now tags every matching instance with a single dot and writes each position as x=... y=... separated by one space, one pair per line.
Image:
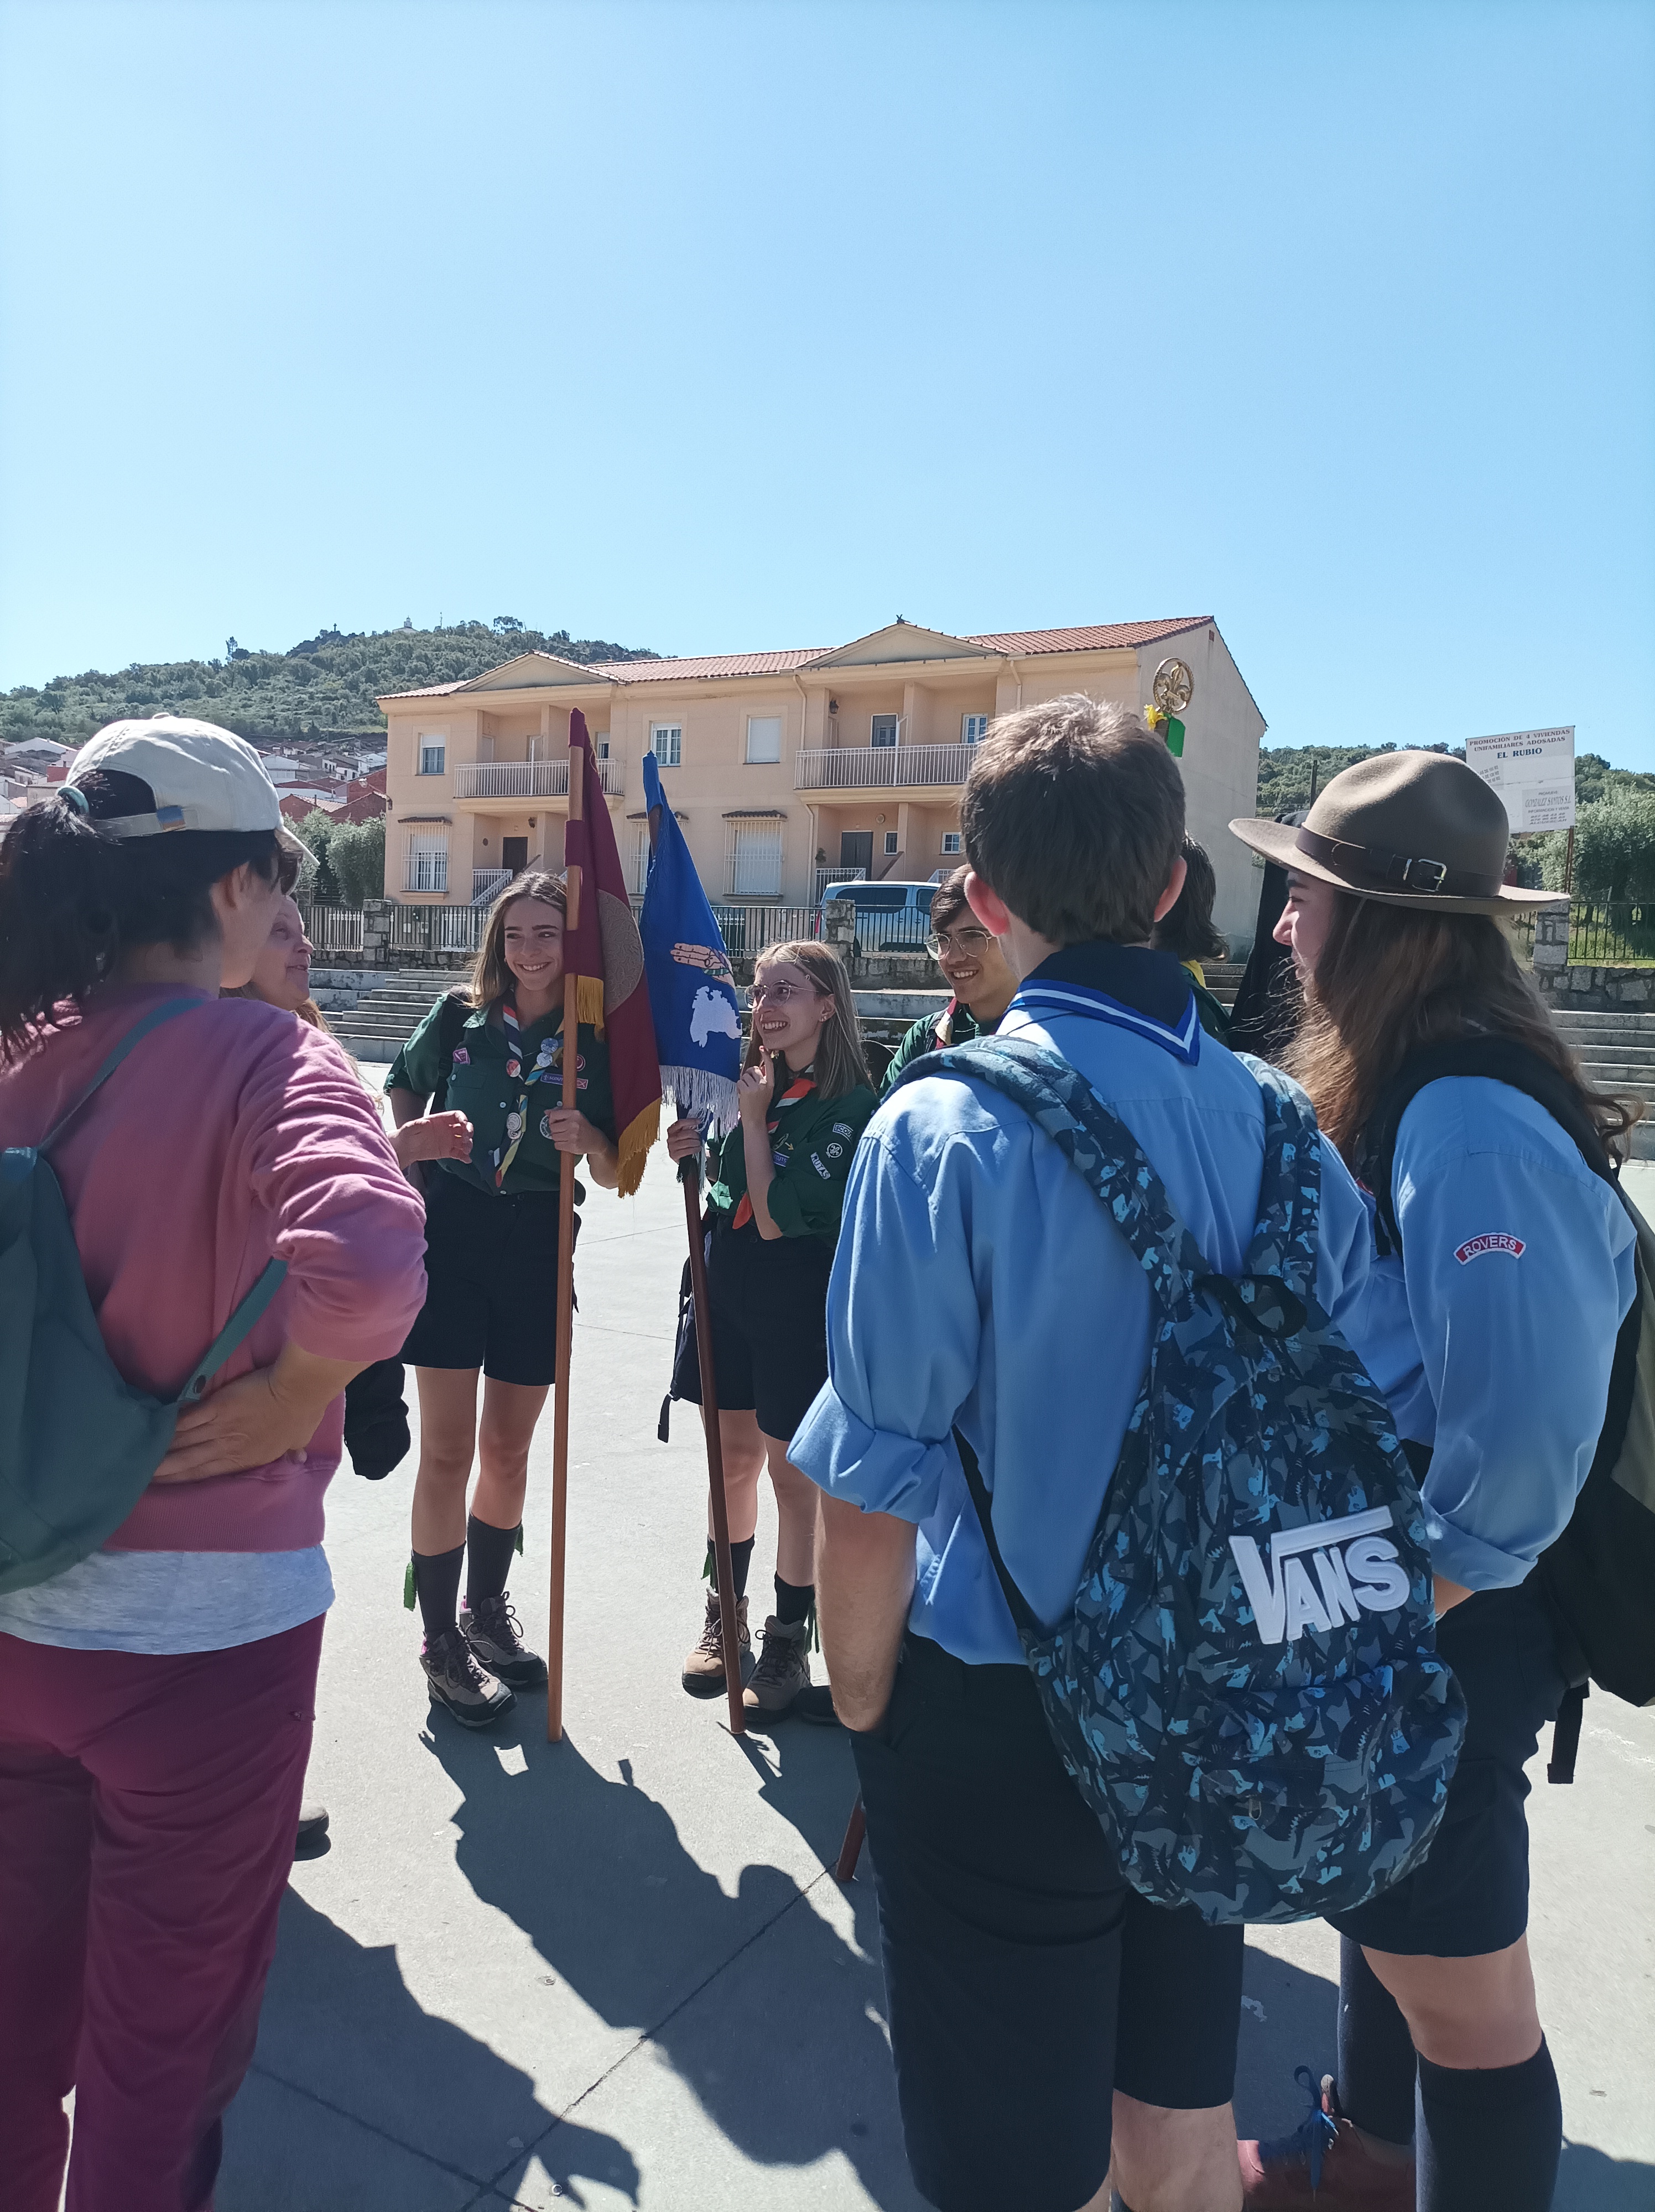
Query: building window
x=641 y=860
x=973 y=728
x=950 y=840
x=601 y=747
x=763 y=737
x=890 y=842
x=428 y=864
x=885 y=729
x=756 y=859
x=666 y=743
x=433 y=754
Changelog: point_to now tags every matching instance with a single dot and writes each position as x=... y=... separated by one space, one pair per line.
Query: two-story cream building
x=787 y=769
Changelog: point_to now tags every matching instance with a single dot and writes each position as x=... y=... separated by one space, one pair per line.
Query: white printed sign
x=1533 y=771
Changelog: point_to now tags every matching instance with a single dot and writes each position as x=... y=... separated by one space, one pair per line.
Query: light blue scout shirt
x=977 y=1281
x=1494 y=1335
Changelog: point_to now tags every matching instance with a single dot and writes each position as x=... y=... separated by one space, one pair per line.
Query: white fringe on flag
x=703 y=1095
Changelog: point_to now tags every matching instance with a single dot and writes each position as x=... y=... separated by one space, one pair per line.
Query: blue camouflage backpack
x=1247 y=1691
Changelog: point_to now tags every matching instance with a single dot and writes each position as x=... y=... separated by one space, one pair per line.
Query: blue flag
x=691 y=991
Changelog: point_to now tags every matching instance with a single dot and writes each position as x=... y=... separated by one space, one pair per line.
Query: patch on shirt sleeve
x=1474 y=1247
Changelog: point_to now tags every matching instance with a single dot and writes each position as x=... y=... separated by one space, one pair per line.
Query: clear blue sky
x=713 y=326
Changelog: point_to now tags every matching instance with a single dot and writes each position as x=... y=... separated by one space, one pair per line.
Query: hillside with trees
x=324 y=687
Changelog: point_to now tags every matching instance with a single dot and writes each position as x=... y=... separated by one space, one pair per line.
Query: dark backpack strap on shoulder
x=1497 y=1059
x=234 y=1330
x=457 y=1011
x=1022 y=1615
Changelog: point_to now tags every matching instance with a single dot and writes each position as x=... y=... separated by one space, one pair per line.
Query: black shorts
x=1025 y=1979
x=768 y=1297
x=492 y=1282
x=1471 y=1896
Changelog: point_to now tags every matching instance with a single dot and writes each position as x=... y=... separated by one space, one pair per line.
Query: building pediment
x=900 y=642
x=534 y=671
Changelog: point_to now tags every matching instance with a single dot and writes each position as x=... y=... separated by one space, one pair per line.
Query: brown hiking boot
x=455 y=1680
x=1323 y=2166
x=783 y=1668
x=498 y=1647
x=703 y=1670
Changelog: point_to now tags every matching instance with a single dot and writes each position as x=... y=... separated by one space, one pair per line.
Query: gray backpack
x=78 y=1445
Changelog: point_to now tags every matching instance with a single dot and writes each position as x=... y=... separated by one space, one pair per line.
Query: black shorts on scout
x=1471 y=1896
x=1024 y=1976
x=767 y=1300
x=491 y=1276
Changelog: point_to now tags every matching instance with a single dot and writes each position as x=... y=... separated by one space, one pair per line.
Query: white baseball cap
x=202 y=778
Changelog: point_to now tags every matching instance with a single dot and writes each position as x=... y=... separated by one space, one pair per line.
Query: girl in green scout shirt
x=491 y=1269
x=975 y=970
x=777 y=1184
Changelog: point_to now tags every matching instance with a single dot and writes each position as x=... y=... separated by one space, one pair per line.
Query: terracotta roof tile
x=1101 y=637
x=708 y=665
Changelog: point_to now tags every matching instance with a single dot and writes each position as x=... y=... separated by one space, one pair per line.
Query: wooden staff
x=689 y=1177
x=851 y=1850
x=565 y=1284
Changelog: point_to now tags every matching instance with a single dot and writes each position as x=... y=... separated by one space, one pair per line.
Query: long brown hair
x=1389 y=980
x=839 y=1063
x=490 y=978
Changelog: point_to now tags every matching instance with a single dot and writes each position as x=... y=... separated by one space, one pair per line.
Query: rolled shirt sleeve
x=904 y=1336
x=1518 y=1271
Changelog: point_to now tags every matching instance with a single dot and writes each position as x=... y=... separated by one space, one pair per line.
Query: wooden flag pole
x=565 y=1285
x=689 y=1177
x=727 y=1613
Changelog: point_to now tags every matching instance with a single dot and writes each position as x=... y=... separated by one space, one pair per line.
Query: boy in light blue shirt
x=975 y=1285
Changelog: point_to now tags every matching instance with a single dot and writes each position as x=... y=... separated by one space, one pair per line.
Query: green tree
x=357 y=855
x=318 y=882
x=1614 y=849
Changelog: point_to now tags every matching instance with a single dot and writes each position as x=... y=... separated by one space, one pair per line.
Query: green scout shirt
x=480 y=1088
x=813 y=1146
x=923 y=1038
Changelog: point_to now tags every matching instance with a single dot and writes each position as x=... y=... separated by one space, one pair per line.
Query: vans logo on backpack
x=1356 y=1571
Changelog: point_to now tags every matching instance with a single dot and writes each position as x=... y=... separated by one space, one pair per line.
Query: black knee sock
x=488 y=1558
x=741 y=1558
x=436 y=1585
x=794 y=1601
x=1489 y=2138
x=1376 y=2051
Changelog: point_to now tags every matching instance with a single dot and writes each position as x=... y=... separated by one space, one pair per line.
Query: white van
x=891 y=917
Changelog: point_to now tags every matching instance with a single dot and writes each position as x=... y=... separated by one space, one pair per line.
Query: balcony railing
x=485 y=882
x=880 y=768
x=826 y=876
x=530 y=779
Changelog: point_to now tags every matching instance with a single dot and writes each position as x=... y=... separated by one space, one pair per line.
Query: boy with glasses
x=974 y=967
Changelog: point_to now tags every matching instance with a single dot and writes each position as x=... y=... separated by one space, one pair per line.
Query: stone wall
x=1629 y=989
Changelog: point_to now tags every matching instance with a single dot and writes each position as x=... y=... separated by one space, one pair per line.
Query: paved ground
x=617 y=1972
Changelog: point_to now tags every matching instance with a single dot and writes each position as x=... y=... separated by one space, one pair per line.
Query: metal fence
x=748 y=929
x=334 y=928
x=437 y=928
x=1618 y=935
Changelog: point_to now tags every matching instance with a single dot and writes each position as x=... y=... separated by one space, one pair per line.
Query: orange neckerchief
x=801 y=1089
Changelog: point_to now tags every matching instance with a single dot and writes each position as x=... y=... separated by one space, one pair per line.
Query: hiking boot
x=491 y=1628
x=703 y=1670
x=475 y=1699
x=313 y=1827
x=783 y=1668
x=1323 y=2166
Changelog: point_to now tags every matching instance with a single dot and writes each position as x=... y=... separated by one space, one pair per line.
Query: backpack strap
x=1098 y=1145
x=1023 y=1615
x=1287 y=1234
x=135 y=1036
x=234 y=1330
x=457 y=1011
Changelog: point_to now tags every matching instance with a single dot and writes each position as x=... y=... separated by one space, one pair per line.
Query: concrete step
x=1598 y=1020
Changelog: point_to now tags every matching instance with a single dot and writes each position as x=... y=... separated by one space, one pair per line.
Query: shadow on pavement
x=1587 y=2181
x=386 y=2059
x=790 y=2063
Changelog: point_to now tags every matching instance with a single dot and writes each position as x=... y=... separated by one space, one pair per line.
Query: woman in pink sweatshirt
x=156 y=1697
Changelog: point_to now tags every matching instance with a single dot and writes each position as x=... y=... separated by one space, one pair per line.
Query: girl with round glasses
x=777 y=1186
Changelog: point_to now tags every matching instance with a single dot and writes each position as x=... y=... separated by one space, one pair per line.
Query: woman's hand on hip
x=257 y=1418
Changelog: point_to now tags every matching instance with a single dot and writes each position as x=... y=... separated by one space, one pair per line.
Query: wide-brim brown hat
x=1410 y=829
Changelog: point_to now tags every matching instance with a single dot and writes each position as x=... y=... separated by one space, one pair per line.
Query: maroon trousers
x=147 y=1808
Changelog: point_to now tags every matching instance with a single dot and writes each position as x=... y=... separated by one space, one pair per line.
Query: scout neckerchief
x=800 y=1088
x=543 y=1071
